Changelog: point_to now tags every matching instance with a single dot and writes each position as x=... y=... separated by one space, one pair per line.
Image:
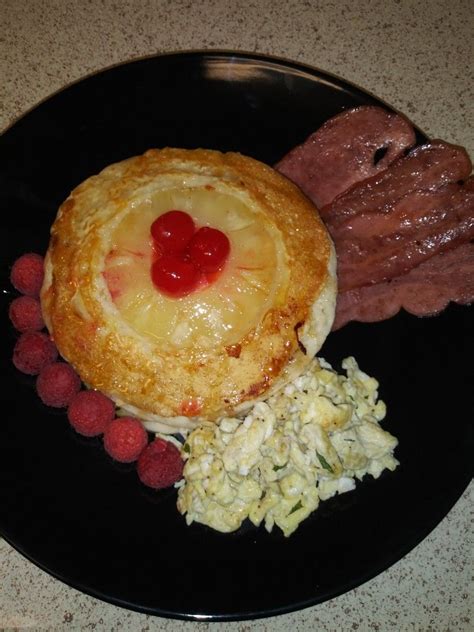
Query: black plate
x=67 y=507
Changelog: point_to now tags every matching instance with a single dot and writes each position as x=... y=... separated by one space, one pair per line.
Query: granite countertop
x=417 y=56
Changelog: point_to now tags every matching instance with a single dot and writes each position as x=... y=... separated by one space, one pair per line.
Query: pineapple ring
x=218 y=350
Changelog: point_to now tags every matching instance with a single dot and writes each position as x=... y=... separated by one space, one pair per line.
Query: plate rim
x=209 y=52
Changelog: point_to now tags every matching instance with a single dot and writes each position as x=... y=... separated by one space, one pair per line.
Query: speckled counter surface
x=417 y=56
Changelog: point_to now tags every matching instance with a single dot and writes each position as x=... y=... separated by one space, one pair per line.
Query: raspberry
x=33 y=351
x=25 y=314
x=57 y=384
x=124 y=439
x=160 y=464
x=90 y=412
x=27 y=274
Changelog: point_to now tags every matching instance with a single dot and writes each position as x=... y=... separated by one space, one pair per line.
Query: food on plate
x=349 y=147
x=25 y=314
x=193 y=289
x=160 y=464
x=90 y=412
x=177 y=284
x=27 y=274
x=174 y=336
x=424 y=291
x=308 y=442
x=125 y=438
x=33 y=351
x=388 y=226
x=57 y=384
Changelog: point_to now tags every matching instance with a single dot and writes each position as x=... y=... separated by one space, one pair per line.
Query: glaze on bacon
x=348 y=148
x=424 y=291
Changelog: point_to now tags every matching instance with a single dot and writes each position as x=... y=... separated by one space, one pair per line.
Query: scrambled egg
x=305 y=444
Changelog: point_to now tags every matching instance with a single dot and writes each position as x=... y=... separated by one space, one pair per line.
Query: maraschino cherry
x=185 y=256
x=175 y=276
x=172 y=231
x=209 y=249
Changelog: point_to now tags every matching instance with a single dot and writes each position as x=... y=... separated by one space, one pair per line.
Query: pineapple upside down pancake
x=188 y=284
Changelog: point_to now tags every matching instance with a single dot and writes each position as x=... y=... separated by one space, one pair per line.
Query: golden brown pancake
x=219 y=349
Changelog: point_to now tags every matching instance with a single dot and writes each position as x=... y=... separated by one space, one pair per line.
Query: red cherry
x=209 y=249
x=172 y=231
x=174 y=276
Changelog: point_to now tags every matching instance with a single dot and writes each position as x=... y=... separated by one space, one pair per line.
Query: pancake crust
x=168 y=383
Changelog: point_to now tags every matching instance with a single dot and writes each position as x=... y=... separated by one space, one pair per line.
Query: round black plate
x=67 y=507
